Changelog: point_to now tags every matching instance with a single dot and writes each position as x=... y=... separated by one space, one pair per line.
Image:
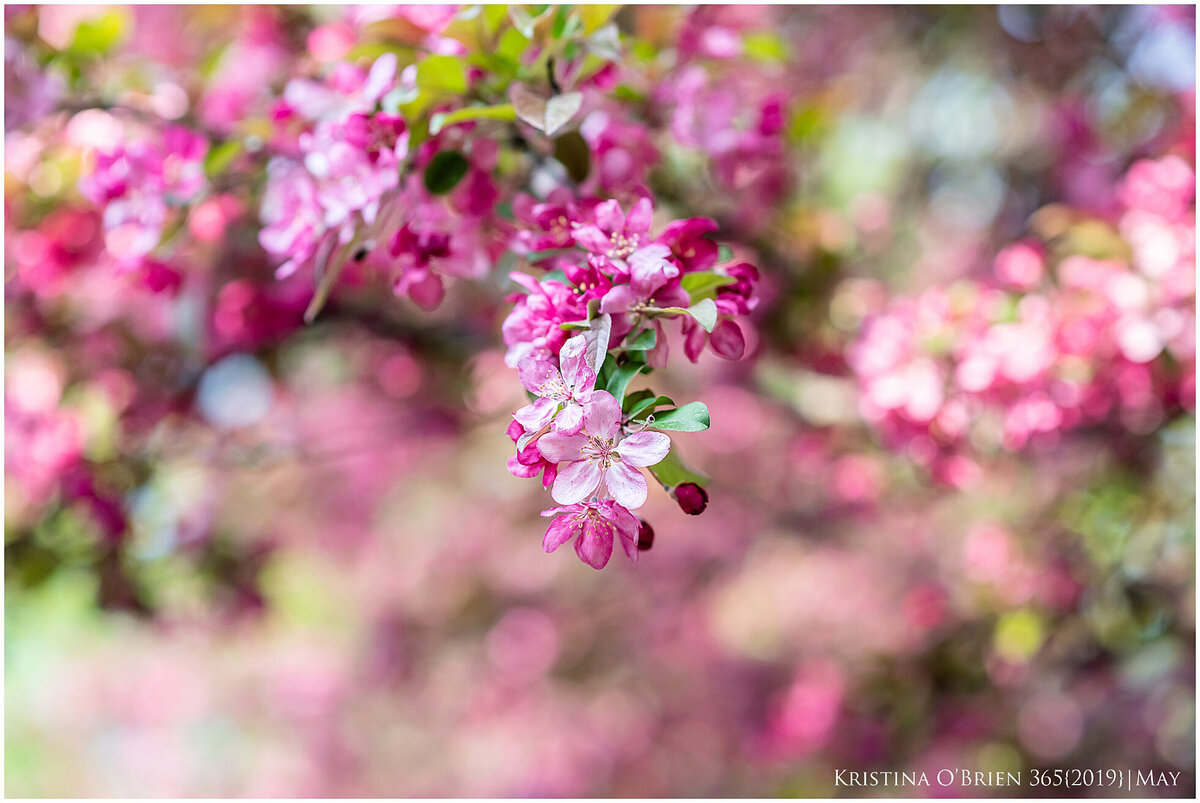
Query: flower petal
x=592 y=239
x=537 y=415
x=617 y=299
x=641 y=215
x=644 y=448
x=594 y=546
x=627 y=526
x=571 y=359
x=570 y=420
x=727 y=340
x=626 y=484
x=534 y=371
x=609 y=217
x=559 y=532
x=602 y=415
x=576 y=482
x=519 y=469
x=561 y=448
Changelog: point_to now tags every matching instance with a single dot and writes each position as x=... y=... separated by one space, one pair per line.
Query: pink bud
x=645 y=535
x=691 y=497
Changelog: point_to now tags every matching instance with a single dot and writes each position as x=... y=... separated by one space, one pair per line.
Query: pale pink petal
x=570 y=420
x=640 y=217
x=644 y=448
x=594 y=547
x=559 y=532
x=561 y=448
x=383 y=72
x=534 y=371
x=585 y=381
x=570 y=357
x=576 y=482
x=592 y=239
x=609 y=217
x=617 y=299
x=537 y=415
x=602 y=415
x=554 y=511
x=626 y=484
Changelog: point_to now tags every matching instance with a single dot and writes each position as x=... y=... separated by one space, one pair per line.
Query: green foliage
x=440 y=120
x=445 y=171
x=671 y=471
x=691 y=417
x=645 y=341
x=572 y=151
x=704 y=285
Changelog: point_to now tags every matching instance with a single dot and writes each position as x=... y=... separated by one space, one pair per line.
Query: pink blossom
x=615 y=234
x=534 y=323
x=593 y=526
x=599 y=455
x=561 y=394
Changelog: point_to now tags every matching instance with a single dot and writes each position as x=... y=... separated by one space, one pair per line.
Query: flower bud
x=691 y=497
x=645 y=535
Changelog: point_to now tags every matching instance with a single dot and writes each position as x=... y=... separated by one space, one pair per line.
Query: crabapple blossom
x=561 y=394
x=593 y=526
x=602 y=455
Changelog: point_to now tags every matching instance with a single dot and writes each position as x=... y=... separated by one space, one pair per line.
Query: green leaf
x=504 y=111
x=765 y=46
x=220 y=157
x=634 y=398
x=705 y=313
x=645 y=341
x=512 y=44
x=445 y=171
x=99 y=34
x=594 y=16
x=560 y=23
x=724 y=254
x=671 y=471
x=493 y=16
x=691 y=417
x=704 y=285
x=442 y=75
x=647 y=405
x=619 y=379
x=572 y=151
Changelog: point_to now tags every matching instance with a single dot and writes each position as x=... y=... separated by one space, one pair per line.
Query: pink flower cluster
x=139 y=182
x=1052 y=343
x=600 y=253
x=353 y=185
x=589 y=457
x=616 y=281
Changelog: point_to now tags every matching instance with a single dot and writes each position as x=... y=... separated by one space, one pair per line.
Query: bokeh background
x=244 y=556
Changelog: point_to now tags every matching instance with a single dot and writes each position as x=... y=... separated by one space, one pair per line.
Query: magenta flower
x=689 y=245
x=599 y=455
x=528 y=461
x=593 y=526
x=534 y=323
x=615 y=234
x=561 y=394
